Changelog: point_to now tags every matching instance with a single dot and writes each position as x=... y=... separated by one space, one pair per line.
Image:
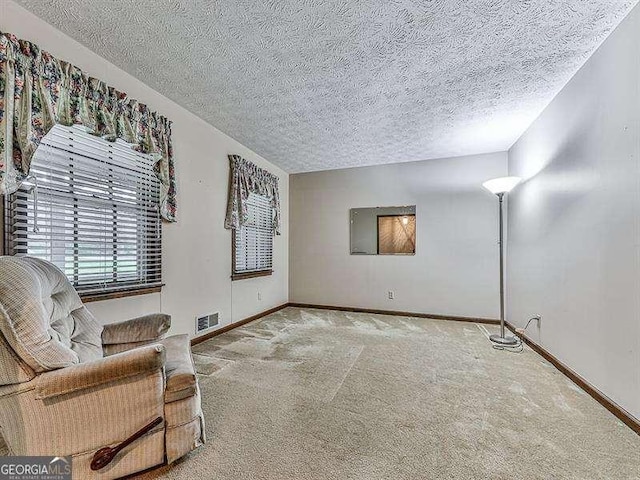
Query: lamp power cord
x=519 y=333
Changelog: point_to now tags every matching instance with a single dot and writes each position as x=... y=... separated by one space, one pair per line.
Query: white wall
x=454 y=271
x=574 y=226
x=197 y=249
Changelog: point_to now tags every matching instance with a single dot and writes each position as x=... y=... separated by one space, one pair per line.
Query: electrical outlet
x=259 y=296
x=391 y=295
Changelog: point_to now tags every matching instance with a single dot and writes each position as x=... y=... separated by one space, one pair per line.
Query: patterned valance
x=37 y=91
x=247 y=178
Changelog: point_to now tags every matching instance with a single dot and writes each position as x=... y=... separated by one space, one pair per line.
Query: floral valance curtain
x=246 y=178
x=37 y=91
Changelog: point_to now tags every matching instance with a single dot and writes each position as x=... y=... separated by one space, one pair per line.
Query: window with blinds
x=253 y=242
x=91 y=207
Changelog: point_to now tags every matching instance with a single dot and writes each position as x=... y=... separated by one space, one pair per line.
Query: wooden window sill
x=242 y=276
x=130 y=292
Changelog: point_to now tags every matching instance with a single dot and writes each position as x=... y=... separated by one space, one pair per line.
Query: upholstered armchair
x=69 y=386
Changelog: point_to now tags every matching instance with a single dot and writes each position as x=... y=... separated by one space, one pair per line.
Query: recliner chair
x=69 y=386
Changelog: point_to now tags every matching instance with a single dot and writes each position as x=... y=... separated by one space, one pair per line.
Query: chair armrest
x=142 y=329
x=100 y=372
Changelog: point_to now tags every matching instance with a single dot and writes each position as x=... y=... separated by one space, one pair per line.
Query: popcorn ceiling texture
x=321 y=84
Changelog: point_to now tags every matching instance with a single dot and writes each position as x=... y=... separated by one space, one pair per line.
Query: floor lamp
x=501 y=186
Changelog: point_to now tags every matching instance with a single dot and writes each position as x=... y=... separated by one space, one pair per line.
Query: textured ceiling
x=321 y=84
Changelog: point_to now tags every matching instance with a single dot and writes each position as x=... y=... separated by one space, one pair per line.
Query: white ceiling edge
x=432 y=159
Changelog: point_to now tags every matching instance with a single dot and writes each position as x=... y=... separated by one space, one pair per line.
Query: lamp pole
x=501 y=338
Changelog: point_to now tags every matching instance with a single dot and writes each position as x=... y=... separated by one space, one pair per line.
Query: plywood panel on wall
x=396 y=234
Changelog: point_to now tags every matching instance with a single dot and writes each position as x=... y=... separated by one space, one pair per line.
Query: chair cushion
x=179 y=369
x=45 y=321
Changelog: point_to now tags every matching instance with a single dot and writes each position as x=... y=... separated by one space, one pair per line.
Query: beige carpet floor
x=315 y=394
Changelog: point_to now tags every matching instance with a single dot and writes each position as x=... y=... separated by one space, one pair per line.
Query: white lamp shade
x=502 y=184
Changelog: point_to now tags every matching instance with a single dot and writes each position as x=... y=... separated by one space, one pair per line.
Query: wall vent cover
x=206 y=322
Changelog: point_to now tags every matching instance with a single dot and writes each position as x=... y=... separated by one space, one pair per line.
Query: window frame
x=235 y=275
x=111 y=289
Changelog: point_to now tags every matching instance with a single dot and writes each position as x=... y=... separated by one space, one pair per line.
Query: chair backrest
x=42 y=320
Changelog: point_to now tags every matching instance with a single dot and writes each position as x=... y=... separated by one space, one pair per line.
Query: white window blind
x=253 y=242
x=90 y=207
